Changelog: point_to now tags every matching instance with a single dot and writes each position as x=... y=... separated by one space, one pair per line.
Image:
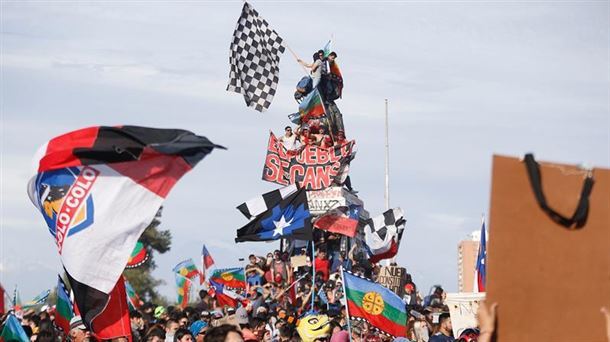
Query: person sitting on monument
x=315 y=68
x=289 y=139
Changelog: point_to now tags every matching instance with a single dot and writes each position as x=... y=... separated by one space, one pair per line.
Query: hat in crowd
x=205 y=314
x=159 y=311
x=77 y=322
x=410 y=287
x=230 y=311
x=197 y=326
x=241 y=316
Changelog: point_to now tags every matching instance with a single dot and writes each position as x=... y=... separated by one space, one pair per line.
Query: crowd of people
x=277 y=297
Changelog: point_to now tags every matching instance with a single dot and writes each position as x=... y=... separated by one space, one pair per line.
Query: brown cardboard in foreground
x=548 y=281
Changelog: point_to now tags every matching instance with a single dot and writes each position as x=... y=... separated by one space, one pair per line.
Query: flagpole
x=349 y=324
x=296 y=57
x=313 y=279
x=387 y=170
x=387 y=160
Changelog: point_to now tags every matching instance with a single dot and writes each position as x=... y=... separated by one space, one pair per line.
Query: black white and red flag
x=97 y=189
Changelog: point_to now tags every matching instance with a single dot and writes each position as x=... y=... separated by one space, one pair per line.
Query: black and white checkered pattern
x=262 y=203
x=381 y=230
x=255 y=59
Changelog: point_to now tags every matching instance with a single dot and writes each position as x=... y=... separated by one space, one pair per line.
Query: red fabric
x=208 y=261
x=339 y=224
x=58 y=155
x=113 y=322
x=387 y=255
x=1 y=299
x=155 y=171
x=323 y=266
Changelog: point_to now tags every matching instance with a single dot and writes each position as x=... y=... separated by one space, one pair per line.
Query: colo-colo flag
x=287 y=217
x=376 y=304
x=97 y=189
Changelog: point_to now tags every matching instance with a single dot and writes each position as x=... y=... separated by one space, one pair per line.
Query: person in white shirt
x=289 y=140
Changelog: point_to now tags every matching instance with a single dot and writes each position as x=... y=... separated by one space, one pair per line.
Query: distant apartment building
x=467 y=260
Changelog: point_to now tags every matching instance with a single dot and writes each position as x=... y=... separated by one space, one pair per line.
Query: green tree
x=141 y=278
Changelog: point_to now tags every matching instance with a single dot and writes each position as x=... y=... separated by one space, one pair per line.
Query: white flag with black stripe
x=382 y=234
x=255 y=59
x=262 y=203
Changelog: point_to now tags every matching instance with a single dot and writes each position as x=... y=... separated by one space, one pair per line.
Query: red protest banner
x=312 y=167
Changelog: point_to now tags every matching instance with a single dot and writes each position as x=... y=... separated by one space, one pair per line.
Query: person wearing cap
x=78 y=331
x=206 y=316
x=160 y=313
x=254 y=273
x=199 y=329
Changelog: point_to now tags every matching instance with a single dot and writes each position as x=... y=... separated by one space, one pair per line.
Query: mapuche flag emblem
x=97 y=189
x=376 y=304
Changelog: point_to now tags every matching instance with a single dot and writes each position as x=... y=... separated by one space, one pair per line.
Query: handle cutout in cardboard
x=579 y=218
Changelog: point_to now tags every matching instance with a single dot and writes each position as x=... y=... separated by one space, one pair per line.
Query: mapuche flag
x=376 y=304
x=97 y=189
x=230 y=277
x=187 y=269
x=183 y=289
x=287 y=217
x=64 y=310
x=311 y=107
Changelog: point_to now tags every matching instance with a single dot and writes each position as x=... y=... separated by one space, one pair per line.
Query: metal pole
x=387 y=160
x=313 y=279
x=349 y=324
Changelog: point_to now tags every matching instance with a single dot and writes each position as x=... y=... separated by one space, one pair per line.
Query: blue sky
x=464 y=79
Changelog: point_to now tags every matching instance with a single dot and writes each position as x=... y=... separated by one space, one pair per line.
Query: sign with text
x=312 y=167
x=463 y=310
x=394 y=278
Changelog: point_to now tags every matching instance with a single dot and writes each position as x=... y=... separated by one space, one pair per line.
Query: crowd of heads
x=276 y=306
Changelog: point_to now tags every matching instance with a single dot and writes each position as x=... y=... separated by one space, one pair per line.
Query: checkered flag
x=262 y=203
x=255 y=59
x=382 y=234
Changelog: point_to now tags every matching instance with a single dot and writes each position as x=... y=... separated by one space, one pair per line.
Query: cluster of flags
x=221 y=284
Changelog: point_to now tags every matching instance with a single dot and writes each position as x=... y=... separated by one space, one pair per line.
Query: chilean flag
x=206 y=263
x=480 y=273
x=97 y=189
x=226 y=297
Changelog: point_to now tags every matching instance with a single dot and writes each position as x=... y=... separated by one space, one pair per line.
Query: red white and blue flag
x=206 y=263
x=480 y=272
x=97 y=189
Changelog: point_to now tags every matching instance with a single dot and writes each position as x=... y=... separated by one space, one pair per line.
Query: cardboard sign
x=463 y=310
x=549 y=280
x=298 y=261
x=322 y=201
x=312 y=167
x=394 y=278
